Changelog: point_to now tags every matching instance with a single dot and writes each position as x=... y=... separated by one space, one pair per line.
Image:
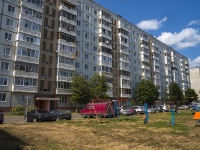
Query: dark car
x=1 y=116
x=60 y=114
x=39 y=115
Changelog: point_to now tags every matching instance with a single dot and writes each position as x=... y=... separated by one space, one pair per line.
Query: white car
x=139 y=109
x=125 y=111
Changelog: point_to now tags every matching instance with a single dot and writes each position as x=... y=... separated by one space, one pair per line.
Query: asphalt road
x=20 y=119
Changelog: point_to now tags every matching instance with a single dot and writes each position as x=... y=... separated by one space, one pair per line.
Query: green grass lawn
x=126 y=132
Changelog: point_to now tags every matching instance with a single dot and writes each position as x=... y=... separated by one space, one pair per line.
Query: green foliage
x=18 y=110
x=31 y=107
x=175 y=93
x=80 y=89
x=147 y=92
x=190 y=95
x=99 y=87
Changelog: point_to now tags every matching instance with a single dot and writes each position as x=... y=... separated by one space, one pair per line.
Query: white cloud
x=188 y=37
x=194 y=22
x=195 y=62
x=153 y=24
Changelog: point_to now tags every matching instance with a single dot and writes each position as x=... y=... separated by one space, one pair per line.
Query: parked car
x=125 y=111
x=60 y=114
x=164 y=108
x=153 y=109
x=183 y=107
x=39 y=115
x=1 y=116
x=139 y=109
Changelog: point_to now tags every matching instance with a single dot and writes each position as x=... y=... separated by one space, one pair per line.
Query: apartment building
x=45 y=43
x=195 y=77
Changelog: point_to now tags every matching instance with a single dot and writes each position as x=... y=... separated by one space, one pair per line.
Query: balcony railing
x=125 y=95
x=27 y=45
x=73 y=33
x=62 y=18
x=66 y=54
x=63 y=91
x=105 y=54
x=124 y=51
x=64 y=42
x=102 y=63
x=33 y=19
x=124 y=68
x=106 y=36
x=21 y=88
x=123 y=27
x=124 y=60
x=104 y=26
x=105 y=45
x=31 y=32
x=72 y=11
x=62 y=78
x=103 y=17
x=123 y=43
x=124 y=77
x=126 y=86
x=27 y=59
x=106 y=74
x=30 y=5
x=66 y=66
x=24 y=74
x=123 y=35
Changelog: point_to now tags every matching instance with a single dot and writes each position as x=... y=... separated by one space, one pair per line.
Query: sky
x=174 y=22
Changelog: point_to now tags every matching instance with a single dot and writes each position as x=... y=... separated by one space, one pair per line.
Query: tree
x=175 y=93
x=99 y=87
x=190 y=95
x=80 y=90
x=147 y=92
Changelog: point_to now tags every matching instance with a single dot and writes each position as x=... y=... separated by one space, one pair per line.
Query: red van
x=103 y=109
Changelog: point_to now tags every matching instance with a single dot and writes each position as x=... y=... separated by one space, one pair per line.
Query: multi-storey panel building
x=44 y=43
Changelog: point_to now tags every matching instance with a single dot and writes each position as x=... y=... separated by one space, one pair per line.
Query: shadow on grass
x=10 y=142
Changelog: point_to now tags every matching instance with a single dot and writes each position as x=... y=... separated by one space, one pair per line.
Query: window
x=8 y=36
x=86 y=77
x=94 y=68
x=2 y=97
x=86 y=46
x=78 y=33
x=78 y=13
x=11 y=8
x=6 y=51
x=86 y=56
x=77 y=65
x=86 y=35
x=87 y=8
x=95 y=12
x=78 y=23
x=87 y=17
x=95 y=21
x=4 y=66
x=94 y=48
x=9 y=22
x=3 y=81
x=86 y=67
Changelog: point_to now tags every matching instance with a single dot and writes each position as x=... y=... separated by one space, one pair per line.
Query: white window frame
x=8 y=36
x=6 y=51
x=11 y=9
x=2 y=96
x=10 y=22
x=3 y=66
x=3 y=81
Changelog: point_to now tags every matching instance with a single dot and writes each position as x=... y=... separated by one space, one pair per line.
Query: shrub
x=18 y=110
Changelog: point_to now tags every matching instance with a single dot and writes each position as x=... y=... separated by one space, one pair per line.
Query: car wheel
x=34 y=120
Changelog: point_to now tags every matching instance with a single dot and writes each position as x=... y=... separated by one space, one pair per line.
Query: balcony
x=144 y=39
x=105 y=35
x=66 y=54
x=106 y=74
x=156 y=57
x=104 y=26
x=110 y=84
x=155 y=51
x=103 y=17
x=124 y=60
x=63 y=91
x=65 y=66
x=24 y=74
x=31 y=32
x=124 y=51
x=27 y=45
x=73 y=33
x=145 y=46
x=72 y=11
x=126 y=86
x=72 y=22
x=73 y=2
x=33 y=19
x=120 y=25
x=102 y=63
x=105 y=54
x=124 y=68
x=62 y=78
x=64 y=42
x=145 y=59
x=145 y=67
x=123 y=43
x=32 y=6
x=21 y=88
x=110 y=94
x=125 y=95
x=27 y=59
x=105 y=45
x=122 y=77
x=123 y=35
x=144 y=53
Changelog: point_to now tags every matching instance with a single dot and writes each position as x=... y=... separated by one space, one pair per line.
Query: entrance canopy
x=47 y=98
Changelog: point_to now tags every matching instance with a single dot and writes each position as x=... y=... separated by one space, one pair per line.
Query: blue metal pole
x=146 y=113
